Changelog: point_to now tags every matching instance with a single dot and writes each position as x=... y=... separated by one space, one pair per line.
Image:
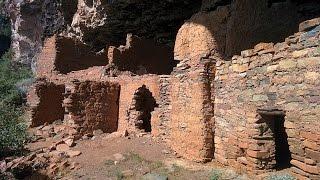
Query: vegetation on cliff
x=12 y=128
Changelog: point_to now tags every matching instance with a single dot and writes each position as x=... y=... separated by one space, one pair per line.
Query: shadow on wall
x=74 y=56
x=141 y=56
x=142 y=106
x=241 y=25
x=151 y=19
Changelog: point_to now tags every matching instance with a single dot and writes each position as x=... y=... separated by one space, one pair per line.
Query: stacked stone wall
x=45 y=102
x=191 y=123
x=129 y=85
x=270 y=77
x=93 y=105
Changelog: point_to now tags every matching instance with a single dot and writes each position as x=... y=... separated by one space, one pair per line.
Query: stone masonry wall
x=45 y=102
x=191 y=123
x=93 y=105
x=271 y=77
x=129 y=85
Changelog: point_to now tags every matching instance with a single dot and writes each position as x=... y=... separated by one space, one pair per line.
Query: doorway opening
x=143 y=103
x=274 y=120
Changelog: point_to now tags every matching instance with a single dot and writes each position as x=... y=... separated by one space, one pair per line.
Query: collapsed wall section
x=62 y=55
x=259 y=89
x=72 y=55
x=142 y=56
x=93 y=105
x=45 y=102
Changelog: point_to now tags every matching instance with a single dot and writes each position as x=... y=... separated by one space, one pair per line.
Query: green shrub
x=215 y=175
x=12 y=131
x=12 y=128
x=280 y=177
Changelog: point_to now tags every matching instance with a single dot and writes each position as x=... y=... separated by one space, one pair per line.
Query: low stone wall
x=93 y=105
x=45 y=102
x=270 y=78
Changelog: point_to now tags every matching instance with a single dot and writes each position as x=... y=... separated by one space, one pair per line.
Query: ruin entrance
x=271 y=127
x=143 y=104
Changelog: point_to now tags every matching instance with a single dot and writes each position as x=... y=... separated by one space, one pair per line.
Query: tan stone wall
x=284 y=76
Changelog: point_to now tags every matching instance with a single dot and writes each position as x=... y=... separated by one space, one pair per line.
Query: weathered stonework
x=45 y=102
x=93 y=105
x=273 y=78
x=257 y=110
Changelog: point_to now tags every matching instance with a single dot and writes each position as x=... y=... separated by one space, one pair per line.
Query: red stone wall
x=94 y=105
x=45 y=102
x=192 y=111
x=129 y=85
x=64 y=55
x=285 y=77
x=73 y=56
x=45 y=62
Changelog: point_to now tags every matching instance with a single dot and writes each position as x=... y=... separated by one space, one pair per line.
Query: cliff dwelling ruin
x=235 y=81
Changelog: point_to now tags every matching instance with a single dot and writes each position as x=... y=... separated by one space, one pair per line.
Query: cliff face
x=98 y=23
x=103 y=23
x=31 y=22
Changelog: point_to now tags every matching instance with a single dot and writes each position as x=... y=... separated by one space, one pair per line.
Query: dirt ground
x=106 y=157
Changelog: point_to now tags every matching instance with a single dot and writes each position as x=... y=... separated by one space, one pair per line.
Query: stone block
x=314 y=155
x=300 y=53
x=263 y=46
x=256 y=98
x=305 y=167
x=308 y=62
x=240 y=68
x=287 y=64
x=258 y=154
x=312 y=77
x=309 y=24
x=272 y=68
x=311 y=145
x=248 y=53
x=309 y=161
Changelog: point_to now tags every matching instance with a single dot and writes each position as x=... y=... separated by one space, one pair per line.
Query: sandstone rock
x=119 y=157
x=74 y=165
x=73 y=153
x=263 y=46
x=70 y=142
x=97 y=132
x=165 y=151
x=307 y=25
x=127 y=173
x=62 y=147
